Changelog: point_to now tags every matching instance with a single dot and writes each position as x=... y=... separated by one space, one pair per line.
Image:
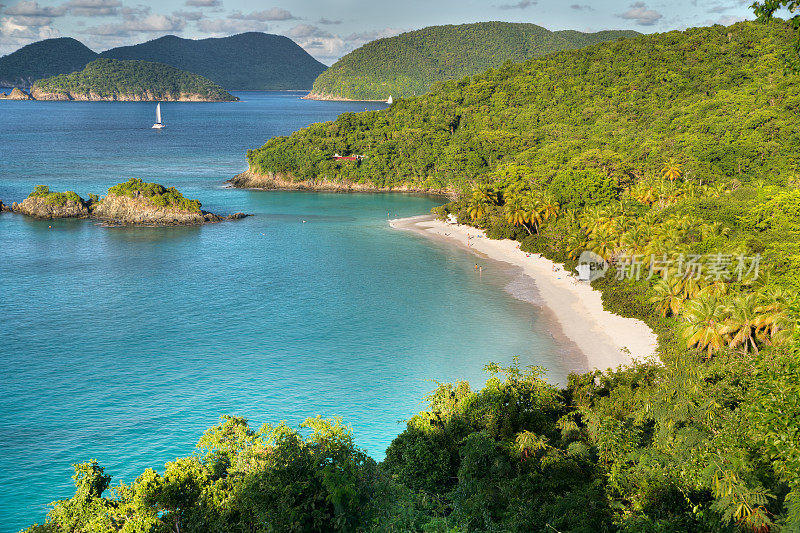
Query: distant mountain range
x=410 y=63
x=43 y=59
x=248 y=61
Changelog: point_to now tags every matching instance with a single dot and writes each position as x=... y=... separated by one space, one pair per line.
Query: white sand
x=607 y=340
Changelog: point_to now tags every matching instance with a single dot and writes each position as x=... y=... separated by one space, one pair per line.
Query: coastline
x=330 y=98
x=276 y=182
x=576 y=307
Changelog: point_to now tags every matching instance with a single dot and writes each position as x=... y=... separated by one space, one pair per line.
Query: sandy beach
x=607 y=340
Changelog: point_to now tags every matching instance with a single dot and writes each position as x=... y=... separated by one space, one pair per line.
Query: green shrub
x=157 y=194
x=59 y=199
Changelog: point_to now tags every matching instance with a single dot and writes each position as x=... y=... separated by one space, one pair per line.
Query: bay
x=125 y=344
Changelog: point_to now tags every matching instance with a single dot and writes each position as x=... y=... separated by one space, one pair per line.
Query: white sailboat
x=158 y=125
x=390 y=101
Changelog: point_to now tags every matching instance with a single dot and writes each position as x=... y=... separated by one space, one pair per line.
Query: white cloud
x=641 y=14
x=139 y=20
x=204 y=3
x=32 y=9
x=222 y=27
x=328 y=47
x=93 y=8
x=524 y=4
x=190 y=15
x=275 y=13
x=14 y=35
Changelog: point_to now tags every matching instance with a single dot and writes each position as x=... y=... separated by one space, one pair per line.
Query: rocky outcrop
x=4 y=207
x=274 y=181
x=38 y=94
x=139 y=211
x=16 y=94
x=41 y=208
x=114 y=209
x=333 y=98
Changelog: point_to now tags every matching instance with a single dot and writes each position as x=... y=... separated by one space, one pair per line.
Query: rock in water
x=42 y=208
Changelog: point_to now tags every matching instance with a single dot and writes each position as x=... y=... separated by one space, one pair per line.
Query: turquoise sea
x=125 y=344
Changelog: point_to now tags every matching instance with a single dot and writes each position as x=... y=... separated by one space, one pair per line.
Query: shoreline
x=317 y=97
x=248 y=180
x=576 y=308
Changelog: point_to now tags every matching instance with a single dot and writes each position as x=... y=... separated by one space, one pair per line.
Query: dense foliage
x=716 y=99
x=111 y=78
x=157 y=194
x=248 y=61
x=43 y=59
x=408 y=64
x=55 y=198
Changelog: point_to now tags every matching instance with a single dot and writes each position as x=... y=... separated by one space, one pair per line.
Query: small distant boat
x=158 y=125
x=390 y=101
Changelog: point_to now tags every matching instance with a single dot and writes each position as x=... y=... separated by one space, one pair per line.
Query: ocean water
x=125 y=344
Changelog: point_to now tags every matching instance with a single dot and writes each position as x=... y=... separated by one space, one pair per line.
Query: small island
x=129 y=81
x=133 y=203
x=15 y=94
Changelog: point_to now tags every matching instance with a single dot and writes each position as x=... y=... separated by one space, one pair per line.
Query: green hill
x=248 y=61
x=111 y=79
x=716 y=98
x=43 y=59
x=410 y=63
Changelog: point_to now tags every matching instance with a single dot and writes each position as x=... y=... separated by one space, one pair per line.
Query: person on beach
x=476 y=266
x=480 y=271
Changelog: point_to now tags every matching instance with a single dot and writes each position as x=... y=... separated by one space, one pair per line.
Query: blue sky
x=329 y=29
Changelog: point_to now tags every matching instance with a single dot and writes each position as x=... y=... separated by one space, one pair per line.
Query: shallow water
x=124 y=344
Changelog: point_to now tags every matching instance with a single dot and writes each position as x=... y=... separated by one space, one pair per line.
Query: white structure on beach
x=584 y=272
x=451 y=219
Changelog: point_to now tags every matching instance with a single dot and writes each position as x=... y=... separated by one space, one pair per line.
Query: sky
x=331 y=28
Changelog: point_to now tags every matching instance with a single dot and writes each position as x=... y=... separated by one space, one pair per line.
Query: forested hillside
x=408 y=64
x=247 y=61
x=43 y=59
x=714 y=98
x=110 y=79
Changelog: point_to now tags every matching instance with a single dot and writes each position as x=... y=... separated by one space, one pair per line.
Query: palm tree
x=482 y=197
x=603 y=243
x=705 y=325
x=774 y=324
x=575 y=244
x=671 y=170
x=634 y=240
x=548 y=207
x=668 y=298
x=485 y=193
x=533 y=209
x=517 y=211
x=528 y=443
x=477 y=208
x=743 y=323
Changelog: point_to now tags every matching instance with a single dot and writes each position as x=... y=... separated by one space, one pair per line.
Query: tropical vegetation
x=410 y=63
x=55 y=198
x=155 y=193
x=717 y=100
x=140 y=80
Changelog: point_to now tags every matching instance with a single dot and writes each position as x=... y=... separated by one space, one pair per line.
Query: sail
x=158 y=113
